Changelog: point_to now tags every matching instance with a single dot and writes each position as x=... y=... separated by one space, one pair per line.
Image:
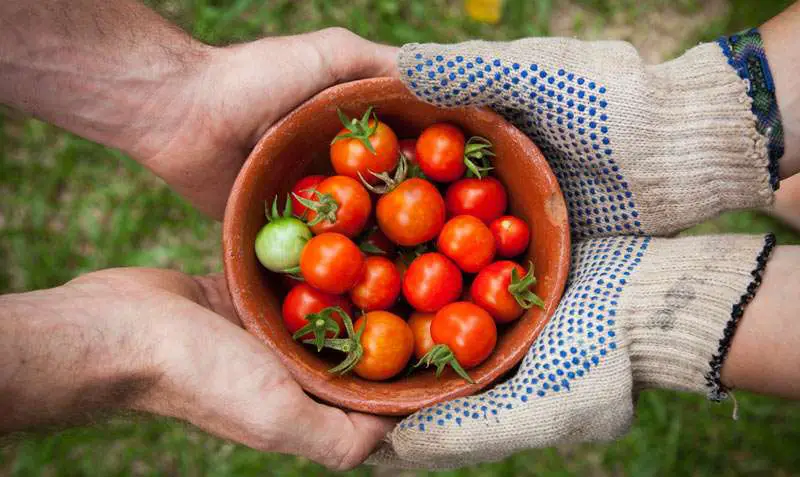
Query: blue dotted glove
x=637 y=150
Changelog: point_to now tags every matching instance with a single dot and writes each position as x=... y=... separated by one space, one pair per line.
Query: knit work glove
x=637 y=150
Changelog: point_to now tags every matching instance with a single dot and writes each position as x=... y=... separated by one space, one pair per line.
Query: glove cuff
x=684 y=306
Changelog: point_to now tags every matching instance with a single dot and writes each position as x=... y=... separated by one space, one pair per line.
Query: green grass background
x=68 y=206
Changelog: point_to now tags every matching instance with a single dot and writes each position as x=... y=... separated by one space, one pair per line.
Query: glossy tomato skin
x=354 y=208
x=511 y=235
x=467 y=329
x=304 y=300
x=304 y=188
x=408 y=147
x=378 y=287
x=412 y=213
x=388 y=344
x=484 y=198
x=350 y=157
x=468 y=242
x=331 y=262
x=440 y=152
x=490 y=291
x=420 y=324
x=432 y=281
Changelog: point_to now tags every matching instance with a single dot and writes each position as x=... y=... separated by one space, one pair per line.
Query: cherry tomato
x=351 y=157
x=431 y=282
x=377 y=243
x=420 y=324
x=490 y=291
x=387 y=342
x=467 y=329
x=331 y=262
x=408 y=147
x=304 y=188
x=440 y=152
x=511 y=235
x=342 y=205
x=412 y=213
x=483 y=198
x=468 y=242
x=304 y=300
x=378 y=287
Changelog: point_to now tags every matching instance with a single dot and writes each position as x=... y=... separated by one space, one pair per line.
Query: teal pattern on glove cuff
x=745 y=53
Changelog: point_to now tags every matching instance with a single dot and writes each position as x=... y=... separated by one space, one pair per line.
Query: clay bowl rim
x=326 y=390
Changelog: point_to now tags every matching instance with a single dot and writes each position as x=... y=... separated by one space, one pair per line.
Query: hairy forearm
x=60 y=364
x=103 y=70
x=781 y=37
x=765 y=353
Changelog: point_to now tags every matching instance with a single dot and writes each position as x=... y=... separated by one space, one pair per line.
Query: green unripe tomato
x=279 y=243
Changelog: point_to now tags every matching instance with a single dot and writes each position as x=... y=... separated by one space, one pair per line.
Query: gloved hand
x=637 y=150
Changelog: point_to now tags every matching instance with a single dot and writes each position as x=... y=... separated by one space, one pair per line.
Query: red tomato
x=387 y=342
x=378 y=287
x=484 y=198
x=440 y=152
x=409 y=149
x=343 y=207
x=468 y=242
x=304 y=188
x=431 y=281
x=377 y=243
x=490 y=291
x=331 y=262
x=350 y=156
x=304 y=300
x=420 y=324
x=412 y=213
x=511 y=235
x=467 y=329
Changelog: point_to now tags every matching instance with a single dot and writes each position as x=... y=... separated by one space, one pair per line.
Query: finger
x=215 y=295
x=346 y=56
x=335 y=438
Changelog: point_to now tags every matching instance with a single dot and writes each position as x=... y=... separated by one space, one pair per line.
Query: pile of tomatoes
x=438 y=245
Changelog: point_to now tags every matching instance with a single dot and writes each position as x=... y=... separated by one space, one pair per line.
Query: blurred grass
x=70 y=206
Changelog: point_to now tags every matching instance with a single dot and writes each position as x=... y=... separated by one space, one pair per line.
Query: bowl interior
x=298 y=146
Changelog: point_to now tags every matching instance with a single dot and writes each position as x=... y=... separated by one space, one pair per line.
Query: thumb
x=340 y=440
x=346 y=56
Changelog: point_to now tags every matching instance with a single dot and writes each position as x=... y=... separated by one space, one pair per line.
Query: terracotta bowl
x=297 y=146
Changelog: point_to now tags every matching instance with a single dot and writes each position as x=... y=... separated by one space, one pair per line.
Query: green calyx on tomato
x=360 y=129
x=319 y=324
x=324 y=206
x=477 y=154
x=440 y=356
x=279 y=244
x=351 y=346
x=520 y=288
x=389 y=182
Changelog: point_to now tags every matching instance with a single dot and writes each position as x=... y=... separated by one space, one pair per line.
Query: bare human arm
x=161 y=342
x=781 y=37
x=119 y=74
x=158 y=341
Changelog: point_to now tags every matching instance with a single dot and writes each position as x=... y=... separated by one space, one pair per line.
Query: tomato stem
x=350 y=345
x=520 y=288
x=400 y=174
x=440 y=356
x=477 y=155
x=360 y=129
x=325 y=207
x=319 y=324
